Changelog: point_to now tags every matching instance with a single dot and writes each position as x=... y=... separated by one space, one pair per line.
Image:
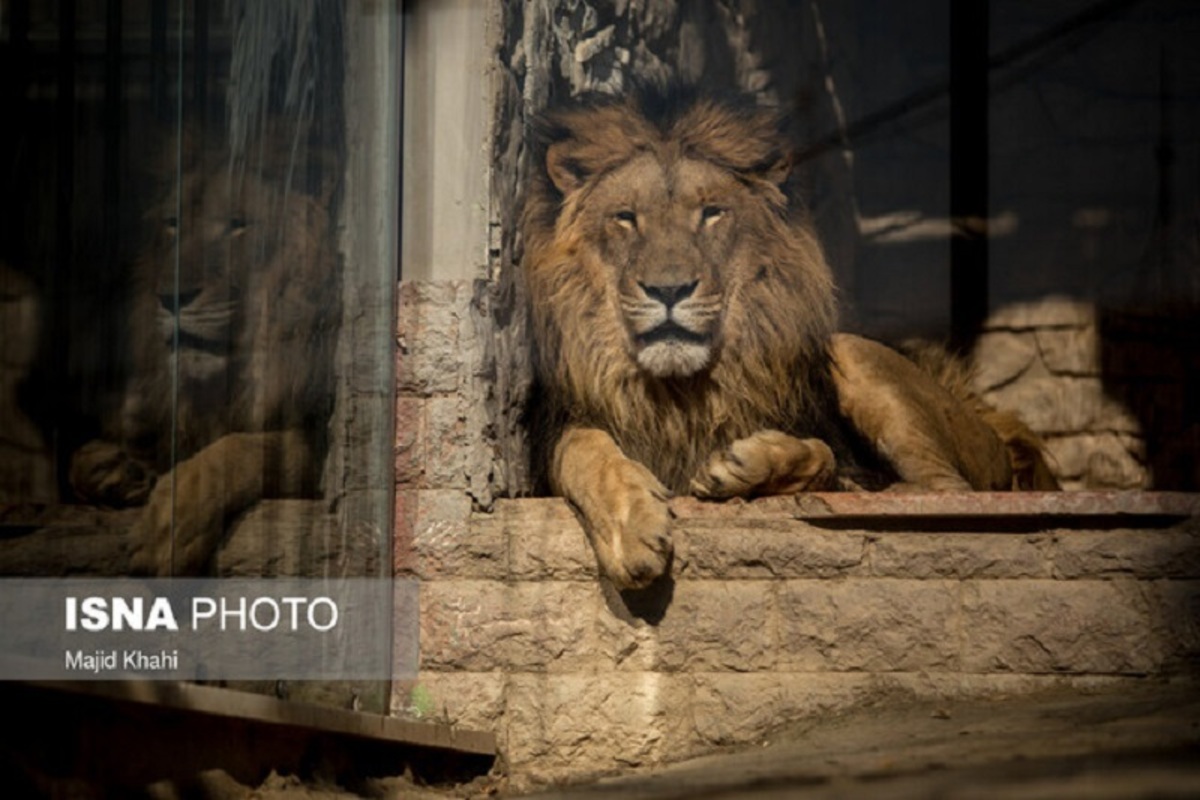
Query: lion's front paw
x=104 y=473
x=764 y=463
x=179 y=529
x=633 y=535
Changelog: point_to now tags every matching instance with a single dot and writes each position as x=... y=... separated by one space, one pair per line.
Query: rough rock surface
x=1044 y=360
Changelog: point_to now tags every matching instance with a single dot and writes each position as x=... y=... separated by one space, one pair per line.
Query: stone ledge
x=1059 y=535
x=785 y=608
x=998 y=506
x=817 y=505
x=1034 y=626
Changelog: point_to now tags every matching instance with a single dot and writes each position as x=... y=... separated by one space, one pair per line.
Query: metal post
x=969 y=162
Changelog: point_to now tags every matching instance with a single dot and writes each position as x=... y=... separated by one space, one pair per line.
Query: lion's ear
x=565 y=172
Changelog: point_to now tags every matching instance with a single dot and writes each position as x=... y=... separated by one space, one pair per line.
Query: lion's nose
x=172 y=300
x=669 y=295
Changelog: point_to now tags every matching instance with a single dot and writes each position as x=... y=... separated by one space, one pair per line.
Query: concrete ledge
x=770 y=615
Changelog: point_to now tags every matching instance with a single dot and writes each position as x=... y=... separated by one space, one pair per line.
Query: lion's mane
x=772 y=368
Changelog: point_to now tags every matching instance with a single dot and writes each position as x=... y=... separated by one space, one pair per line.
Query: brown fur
x=257 y=292
x=1026 y=450
x=683 y=317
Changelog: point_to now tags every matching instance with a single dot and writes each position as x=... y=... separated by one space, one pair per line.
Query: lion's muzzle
x=196 y=332
x=671 y=328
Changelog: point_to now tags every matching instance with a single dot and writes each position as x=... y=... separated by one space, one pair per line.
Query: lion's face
x=237 y=304
x=679 y=228
x=668 y=231
x=202 y=263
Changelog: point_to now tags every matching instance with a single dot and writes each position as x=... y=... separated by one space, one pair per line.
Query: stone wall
x=1042 y=359
x=771 y=619
x=444 y=443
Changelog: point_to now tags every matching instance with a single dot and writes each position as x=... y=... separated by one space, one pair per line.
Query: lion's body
x=684 y=322
x=230 y=370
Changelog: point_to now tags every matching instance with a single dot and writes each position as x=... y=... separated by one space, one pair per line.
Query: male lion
x=683 y=319
x=234 y=312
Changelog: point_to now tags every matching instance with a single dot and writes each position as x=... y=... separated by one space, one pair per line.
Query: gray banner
x=208 y=629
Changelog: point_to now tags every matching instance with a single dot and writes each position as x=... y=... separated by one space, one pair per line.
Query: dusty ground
x=1139 y=743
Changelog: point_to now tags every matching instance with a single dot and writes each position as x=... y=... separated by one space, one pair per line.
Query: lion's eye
x=626 y=219
x=710 y=214
x=170 y=225
x=237 y=225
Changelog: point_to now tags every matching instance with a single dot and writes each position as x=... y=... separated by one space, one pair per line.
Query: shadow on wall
x=1150 y=361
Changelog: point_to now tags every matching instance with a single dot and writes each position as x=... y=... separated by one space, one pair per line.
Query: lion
x=234 y=313
x=684 y=333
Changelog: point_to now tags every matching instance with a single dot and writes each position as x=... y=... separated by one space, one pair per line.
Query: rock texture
x=1043 y=359
x=443 y=435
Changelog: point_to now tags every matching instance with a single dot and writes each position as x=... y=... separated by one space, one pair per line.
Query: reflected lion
x=234 y=316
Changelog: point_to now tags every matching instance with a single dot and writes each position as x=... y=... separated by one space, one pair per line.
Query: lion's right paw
x=764 y=463
x=633 y=540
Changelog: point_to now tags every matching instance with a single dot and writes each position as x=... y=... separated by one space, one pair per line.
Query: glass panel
x=1018 y=178
x=182 y=388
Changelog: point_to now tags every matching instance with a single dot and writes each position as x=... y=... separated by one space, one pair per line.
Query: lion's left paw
x=764 y=463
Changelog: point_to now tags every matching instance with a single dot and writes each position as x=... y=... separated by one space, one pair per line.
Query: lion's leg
x=184 y=521
x=624 y=507
x=931 y=439
x=764 y=463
